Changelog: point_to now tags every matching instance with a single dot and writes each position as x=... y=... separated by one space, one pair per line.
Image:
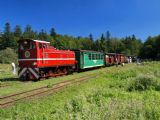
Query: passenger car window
x=92 y=56
x=89 y=56
x=101 y=56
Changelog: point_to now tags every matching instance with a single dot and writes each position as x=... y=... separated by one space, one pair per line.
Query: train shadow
x=89 y=69
x=16 y=79
x=9 y=79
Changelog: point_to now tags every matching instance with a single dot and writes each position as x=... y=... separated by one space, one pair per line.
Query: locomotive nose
x=28 y=73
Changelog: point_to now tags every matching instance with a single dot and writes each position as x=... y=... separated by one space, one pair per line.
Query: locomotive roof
x=34 y=40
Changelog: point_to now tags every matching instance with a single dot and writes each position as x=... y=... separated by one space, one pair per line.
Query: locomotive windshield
x=27 y=45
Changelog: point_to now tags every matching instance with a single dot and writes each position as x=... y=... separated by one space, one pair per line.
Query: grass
x=5 y=71
x=106 y=97
x=18 y=86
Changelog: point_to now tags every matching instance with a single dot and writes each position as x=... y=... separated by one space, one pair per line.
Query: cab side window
x=32 y=45
x=21 y=47
x=44 y=46
x=40 y=45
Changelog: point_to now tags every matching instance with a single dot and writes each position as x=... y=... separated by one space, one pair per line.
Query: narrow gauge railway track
x=42 y=91
x=4 y=85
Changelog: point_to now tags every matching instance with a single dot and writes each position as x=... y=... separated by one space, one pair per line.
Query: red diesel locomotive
x=37 y=59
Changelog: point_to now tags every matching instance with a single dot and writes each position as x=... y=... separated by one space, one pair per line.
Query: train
x=38 y=59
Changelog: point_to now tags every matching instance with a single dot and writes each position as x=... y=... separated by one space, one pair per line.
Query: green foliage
x=8 y=37
x=42 y=35
x=17 y=31
x=49 y=85
x=28 y=32
x=8 y=56
x=116 y=46
x=150 y=49
x=53 y=33
x=132 y=45
x=144 y=82
x=75 y=105
x=103 y=44
x=129 y=45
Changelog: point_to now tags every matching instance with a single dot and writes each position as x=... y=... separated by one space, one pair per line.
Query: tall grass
x=124 y=93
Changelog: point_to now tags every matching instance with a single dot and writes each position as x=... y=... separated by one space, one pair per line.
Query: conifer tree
x=28 y=32
x=43 y=35
x=7 y=37
x=17 y=31
x=53 y=33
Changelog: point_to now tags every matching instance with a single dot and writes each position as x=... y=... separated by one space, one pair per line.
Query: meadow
x=129 y=92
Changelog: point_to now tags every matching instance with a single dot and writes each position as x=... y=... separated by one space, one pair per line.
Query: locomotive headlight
x=25 y=42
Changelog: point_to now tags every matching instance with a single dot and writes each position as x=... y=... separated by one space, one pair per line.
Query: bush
x=157 y=73
x=75 y=105
x=143 y=82
x=8 y=56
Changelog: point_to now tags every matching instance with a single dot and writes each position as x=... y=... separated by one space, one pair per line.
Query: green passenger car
x=89 y=59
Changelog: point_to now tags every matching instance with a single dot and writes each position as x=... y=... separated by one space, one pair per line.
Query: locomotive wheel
x=50 y=72
x=65 y=71
x=59 y=71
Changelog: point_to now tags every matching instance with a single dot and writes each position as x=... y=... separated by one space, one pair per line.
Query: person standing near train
x=13 y=68
x=116 y=60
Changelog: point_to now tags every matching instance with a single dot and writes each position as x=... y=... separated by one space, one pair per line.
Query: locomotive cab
x=27 y=50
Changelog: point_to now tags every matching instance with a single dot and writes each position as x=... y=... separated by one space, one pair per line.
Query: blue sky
x=82 y=17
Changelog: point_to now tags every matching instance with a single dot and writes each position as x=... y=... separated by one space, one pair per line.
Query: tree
x=132 y=45
x=17 y=31
x=108 y=40
x=103 y=44
x=151 y=49
x=7 y=37
x=91 y=37
x=116 y=46
x=1 y=42
x=97 y=45
x=42 y=35
x=28 y=32
x=86 y=43
x=53 y=33
x=1 y=33
x=148 y=49
x=157 y=47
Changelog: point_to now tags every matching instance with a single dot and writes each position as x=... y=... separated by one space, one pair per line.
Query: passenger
x=130 y=60
x=13 y=68
x=116 y=62
x=138 y=61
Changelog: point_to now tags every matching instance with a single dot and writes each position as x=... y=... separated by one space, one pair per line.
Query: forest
x=129 y=45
